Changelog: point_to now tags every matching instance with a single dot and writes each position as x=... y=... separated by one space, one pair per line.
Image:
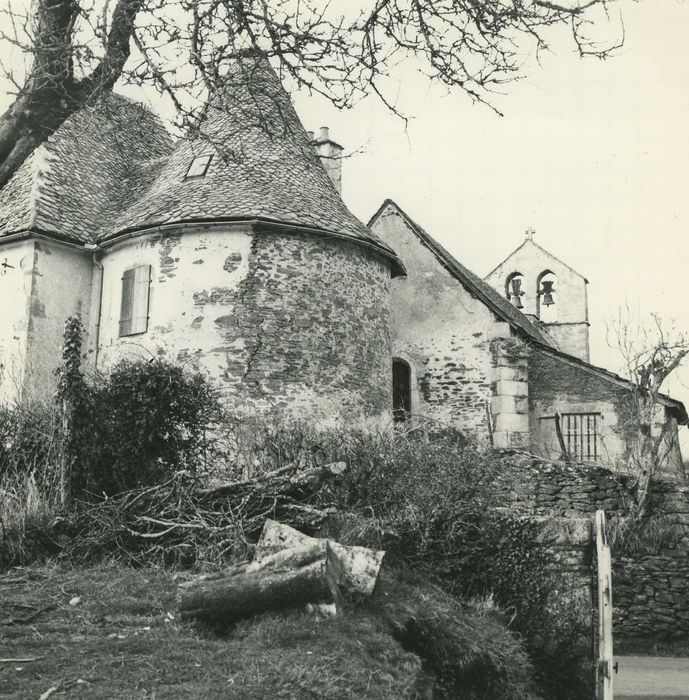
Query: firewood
x=287 y=579
x=361 y=565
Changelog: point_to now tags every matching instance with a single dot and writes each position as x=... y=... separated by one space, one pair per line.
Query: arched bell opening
x=514 y=289
x=547 y=297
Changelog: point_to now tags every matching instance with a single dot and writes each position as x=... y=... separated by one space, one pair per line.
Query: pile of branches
x=183 y=522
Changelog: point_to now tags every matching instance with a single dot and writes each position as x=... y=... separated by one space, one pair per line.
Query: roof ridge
x=540 y=247
x=514 y=317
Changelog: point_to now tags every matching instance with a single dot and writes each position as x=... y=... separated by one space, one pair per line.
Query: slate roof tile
x=112 y=169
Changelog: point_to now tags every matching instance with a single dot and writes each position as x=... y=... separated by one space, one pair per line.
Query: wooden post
x=563 y=447
x=604 y=667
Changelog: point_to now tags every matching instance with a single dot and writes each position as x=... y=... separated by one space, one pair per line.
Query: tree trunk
x=291 y=578
x=51 y=93
x=25 y=126
x=361 y=565
x=66 y=454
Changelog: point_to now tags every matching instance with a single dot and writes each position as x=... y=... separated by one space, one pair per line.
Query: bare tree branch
x=77 y=50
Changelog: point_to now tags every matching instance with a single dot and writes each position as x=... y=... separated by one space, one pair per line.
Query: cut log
x=287 y=579
x=361 y=565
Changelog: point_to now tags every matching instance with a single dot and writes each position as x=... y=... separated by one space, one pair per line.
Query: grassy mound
x=123 y=639
x=465 y=645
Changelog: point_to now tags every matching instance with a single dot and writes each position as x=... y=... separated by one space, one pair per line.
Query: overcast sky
x=593 y=155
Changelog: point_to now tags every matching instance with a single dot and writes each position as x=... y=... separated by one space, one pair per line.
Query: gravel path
x=646 y=677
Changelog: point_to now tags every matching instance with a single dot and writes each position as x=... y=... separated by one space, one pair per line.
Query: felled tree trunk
x=361 y=565
x=290 y=578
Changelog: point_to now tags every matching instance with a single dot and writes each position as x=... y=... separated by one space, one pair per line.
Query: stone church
x=505 y=358
x=231 y=252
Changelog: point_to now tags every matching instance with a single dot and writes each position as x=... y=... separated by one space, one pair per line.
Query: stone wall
x=16 y=277
x=650 y=582
x=283 y=323
x=444 y=333
x=44 y=283
x=559 y=385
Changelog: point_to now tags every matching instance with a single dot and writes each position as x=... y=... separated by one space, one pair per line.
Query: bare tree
x=651 y=353
x=65 y=54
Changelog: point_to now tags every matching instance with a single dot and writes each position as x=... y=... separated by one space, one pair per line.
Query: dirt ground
x=111 y=632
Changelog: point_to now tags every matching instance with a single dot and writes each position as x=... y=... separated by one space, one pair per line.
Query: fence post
x=604 y=584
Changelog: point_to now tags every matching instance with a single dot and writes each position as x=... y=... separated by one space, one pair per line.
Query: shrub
x=638 y=536
x=135 y=426
x=142 y=422
x=29 y=441
x=466 y=645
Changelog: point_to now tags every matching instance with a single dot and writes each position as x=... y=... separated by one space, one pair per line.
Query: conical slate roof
x=263 y=166
x=75 y=185
x=111 y=170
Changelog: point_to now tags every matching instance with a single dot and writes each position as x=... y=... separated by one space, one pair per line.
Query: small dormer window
x=198 y=166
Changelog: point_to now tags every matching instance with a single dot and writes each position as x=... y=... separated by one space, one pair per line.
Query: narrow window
x=199 y=166
x=401 y=390
x=136 y=284
x=581 y=435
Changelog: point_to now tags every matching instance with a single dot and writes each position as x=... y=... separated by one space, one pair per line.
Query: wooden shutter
x=142 y=285
x=136 y=283
x=127 y=303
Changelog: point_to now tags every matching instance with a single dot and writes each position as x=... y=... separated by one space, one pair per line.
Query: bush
x=136 y=426
x=29 y=441
x=29 y=481
x=140 y=423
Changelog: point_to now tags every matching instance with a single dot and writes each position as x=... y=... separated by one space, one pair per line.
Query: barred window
x=136 y=283
x=581 y=435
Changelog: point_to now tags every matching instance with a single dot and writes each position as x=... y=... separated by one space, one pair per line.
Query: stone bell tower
x=549 y=292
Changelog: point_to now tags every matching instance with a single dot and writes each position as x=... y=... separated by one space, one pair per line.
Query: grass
x=123 y=639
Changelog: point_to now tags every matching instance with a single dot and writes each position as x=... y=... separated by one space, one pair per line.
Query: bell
x=547 y=293
x=516 y=296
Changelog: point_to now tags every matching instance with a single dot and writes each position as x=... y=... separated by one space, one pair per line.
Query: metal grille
x=581 y=434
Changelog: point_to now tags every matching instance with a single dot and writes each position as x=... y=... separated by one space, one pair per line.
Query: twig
x=28 y=618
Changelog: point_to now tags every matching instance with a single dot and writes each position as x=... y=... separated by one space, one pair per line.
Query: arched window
x=514 y=289
x=401 y=390
x=546 y=291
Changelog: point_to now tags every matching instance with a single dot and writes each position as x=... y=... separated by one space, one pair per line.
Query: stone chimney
x=330 y=154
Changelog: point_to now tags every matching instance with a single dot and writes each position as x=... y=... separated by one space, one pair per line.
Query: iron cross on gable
x=4 y=266
x=529 y=233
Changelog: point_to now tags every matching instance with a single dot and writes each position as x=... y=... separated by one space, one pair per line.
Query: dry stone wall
x=651 y=574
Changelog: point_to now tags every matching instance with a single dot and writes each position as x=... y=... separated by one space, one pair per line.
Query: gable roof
x=675 y=405
x=542 y=249
x=500 y=306
x=112 y=170
x=505 y=310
